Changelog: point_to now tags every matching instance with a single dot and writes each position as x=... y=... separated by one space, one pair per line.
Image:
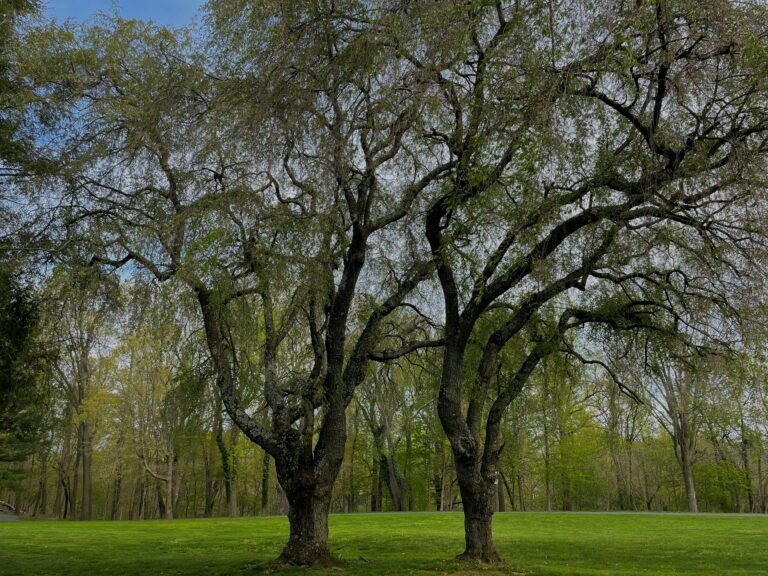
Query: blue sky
x=168 y=12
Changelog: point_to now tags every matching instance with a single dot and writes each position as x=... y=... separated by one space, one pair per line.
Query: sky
x=167 y=12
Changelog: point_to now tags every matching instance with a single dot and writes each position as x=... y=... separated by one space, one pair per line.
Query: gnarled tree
x=168 y=171
x=605 y=168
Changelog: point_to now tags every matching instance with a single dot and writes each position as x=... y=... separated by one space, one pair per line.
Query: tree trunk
x=510 y=491
x=408 y=470
x=547 y=468
x=41 y=504
x=161 y=506
x=351 y=491
x=760 y=483
x=390 y=472
x=226 y=462
x=75 y=479
x=57 y=498
x=375 y=485
x=478 y=498
x=169 y=487
x=138 y=502
x=500 y=494
x=116 y=493
x=308 y=519
x=745 y=446
x=686 y=466
x=265 y=483
x=87 y=511
x=210 y=484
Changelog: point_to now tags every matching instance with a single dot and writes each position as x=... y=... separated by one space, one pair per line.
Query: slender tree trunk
x=210 y=488
x=547 y=467
x=408 y=468
x=169 y=487
x=265 y=465
x=393 y=479
x=117 y=487
x=75 y=479
x=686 y=467
x=138 y=502
x=17 y=504
x=87 y=511
x=162 y=508
x=500 y=494
x=226 y=463
x=57 y=499
x=520 y=486
x=630 y=474
x=745 y=445
x=351 y=500
x=375 y=473
x=41 y=504
x=67 y=508
x=232 y=507
x=510 y=488
x=760 y=482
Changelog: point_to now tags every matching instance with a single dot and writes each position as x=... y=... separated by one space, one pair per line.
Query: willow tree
x=265 y=187
x=607 y=170
x=13 y=144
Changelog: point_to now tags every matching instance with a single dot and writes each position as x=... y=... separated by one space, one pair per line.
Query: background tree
x=23 y=369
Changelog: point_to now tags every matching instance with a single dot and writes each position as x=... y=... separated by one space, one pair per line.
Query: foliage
x=22 y=368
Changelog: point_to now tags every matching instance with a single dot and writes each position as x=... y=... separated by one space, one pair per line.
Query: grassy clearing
x=392 y=544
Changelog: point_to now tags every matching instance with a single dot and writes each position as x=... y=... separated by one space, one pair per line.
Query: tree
x=23 y=401
x=624 y=419
x=151 y=180
x=79 y=305
x=321 y=171
x=13 y=145
x=21 y=395
x=601 y=167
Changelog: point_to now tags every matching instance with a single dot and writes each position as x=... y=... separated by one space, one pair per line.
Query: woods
x=313 y=257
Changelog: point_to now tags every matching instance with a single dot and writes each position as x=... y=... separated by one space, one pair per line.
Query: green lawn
x=413 y=544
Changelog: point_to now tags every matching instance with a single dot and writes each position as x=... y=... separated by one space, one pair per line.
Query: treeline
x=136 y=430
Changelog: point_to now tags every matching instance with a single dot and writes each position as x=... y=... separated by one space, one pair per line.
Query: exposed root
x=490 y=559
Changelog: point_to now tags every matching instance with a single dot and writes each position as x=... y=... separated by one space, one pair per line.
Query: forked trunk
x=308 y=518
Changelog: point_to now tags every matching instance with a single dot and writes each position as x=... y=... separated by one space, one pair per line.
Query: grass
x=395 y=544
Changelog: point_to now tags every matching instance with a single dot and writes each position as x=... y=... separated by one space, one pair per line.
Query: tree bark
x=265 y=483
x=520 y=486
x=478 y=497
x=138 y=502
x=390 y=472
x=500 y=495
x=116 y=493
x=170 y=482
x=510 y=488
x=308 y=518
x=73 y=513
x=226 y=462
x=686 y=466
x=41 y=502
x=87 y=511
